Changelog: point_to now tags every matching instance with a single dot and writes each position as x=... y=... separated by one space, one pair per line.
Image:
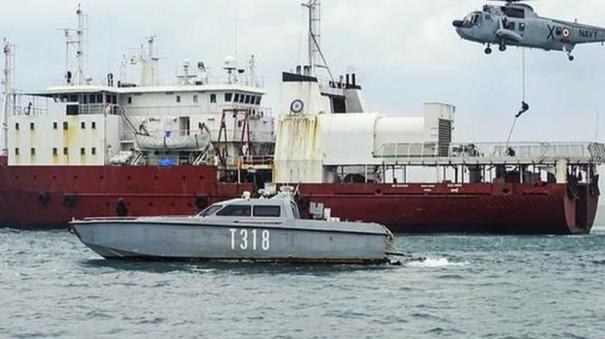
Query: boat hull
x=186 y=240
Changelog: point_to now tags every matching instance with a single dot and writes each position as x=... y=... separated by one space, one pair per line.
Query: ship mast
x=8 y=95
x=79 y=41
x=316 y=56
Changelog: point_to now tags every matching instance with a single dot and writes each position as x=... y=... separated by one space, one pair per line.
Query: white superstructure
x=326 y=126
x=192 y=121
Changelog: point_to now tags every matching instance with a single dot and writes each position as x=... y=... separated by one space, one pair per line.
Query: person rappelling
x=523 y=110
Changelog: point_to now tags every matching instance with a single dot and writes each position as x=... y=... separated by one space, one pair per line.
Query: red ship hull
x=49 y=197
x=469 y=208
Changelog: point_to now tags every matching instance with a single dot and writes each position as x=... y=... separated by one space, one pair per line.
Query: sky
x=405 y=53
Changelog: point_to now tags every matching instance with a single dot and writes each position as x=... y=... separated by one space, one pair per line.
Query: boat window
x=522 y=27
x=195 y=99
x=228 y=97
x=236 y=98
x=178 y=98
x=267 y=211
x=242 y=98
x=235 y=211
x=258 y=99
x=247 y=99
x=295 y=211
x=210 y=210
x=93 y=99
x=213 y=98
x=99 y=98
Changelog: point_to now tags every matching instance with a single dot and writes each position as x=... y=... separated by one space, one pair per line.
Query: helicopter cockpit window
x=514 y=12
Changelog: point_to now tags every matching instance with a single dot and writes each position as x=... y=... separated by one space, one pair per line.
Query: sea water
x=458 y=286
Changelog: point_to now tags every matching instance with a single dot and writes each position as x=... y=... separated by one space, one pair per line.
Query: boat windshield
x=210 y=210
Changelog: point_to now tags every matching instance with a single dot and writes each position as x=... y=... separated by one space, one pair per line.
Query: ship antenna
x=315 y=52
x=79 y=42
x=9 y=92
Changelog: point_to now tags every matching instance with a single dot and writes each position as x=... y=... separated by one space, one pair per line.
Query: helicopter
x=517 y=24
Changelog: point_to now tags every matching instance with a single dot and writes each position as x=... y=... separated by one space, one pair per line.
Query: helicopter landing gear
x=571 y=57
x=502 y=47
x=488 y=49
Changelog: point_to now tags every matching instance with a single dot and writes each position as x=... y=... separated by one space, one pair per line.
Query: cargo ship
x=121 y=148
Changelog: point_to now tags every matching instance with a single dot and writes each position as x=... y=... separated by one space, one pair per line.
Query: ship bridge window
x=242 y=98
x=258 y=99
x=213 y=98
x=267 y=211
x=228 y=97
x=93 y=99
x=236 y=98
x=247 y=99
x=235 y=211
x=72 y=109
x=73 y=98
x=84 y=99
x=99 y=98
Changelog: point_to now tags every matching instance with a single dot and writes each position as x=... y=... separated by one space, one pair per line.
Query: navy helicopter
x=517 y=24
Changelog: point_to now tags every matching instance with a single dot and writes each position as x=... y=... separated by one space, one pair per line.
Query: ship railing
x=257 y=159
x=257 y=111
x=198 y=80
x=486 y=152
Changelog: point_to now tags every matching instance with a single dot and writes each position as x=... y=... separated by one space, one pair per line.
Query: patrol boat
x=257 y=230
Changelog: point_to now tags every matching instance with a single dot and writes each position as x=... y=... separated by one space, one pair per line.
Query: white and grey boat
x=259 y=230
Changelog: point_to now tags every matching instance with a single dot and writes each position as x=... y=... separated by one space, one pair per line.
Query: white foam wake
x=435 y=262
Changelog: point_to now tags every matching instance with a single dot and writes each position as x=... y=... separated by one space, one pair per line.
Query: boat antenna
x=9 y=92
x=315 y=52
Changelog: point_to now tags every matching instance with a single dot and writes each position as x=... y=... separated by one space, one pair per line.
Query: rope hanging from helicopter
x=524 y=104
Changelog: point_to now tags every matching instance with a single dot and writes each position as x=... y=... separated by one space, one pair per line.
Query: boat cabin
x=281 y=209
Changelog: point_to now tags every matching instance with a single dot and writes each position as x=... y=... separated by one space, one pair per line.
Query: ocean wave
x=435 y=262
